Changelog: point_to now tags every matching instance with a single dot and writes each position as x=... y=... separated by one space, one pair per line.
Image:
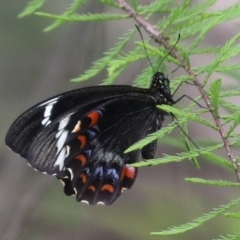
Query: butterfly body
x=80 y=136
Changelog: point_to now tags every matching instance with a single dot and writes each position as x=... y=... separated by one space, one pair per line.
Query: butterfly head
x=162 y=84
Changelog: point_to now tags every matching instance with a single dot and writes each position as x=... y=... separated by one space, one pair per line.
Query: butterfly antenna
x=145 y=47
x=169 y=52
x=174 y=70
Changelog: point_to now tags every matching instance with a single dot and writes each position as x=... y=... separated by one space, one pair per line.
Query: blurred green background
x=36 y=65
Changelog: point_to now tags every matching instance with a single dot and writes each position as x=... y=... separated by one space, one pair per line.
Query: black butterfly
x=80 y=136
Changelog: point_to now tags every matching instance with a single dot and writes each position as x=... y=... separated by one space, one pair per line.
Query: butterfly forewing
x=25 y=128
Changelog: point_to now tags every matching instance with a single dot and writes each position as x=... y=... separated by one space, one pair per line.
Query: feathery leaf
x=213 y=182
x=176 y=158
x=187 y=115
x=84 y=17
x=72 y=9
x=198 y=221
x=102 y=63
x=214 y=95
x=31 y=8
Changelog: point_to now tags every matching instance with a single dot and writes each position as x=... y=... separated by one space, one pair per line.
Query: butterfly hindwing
x=99 y=171
x=148 y=151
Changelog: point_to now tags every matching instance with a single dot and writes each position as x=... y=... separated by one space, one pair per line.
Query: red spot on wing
x=128 y=172
x=81 y=158
x=94 y=116
x=92 y=188
x=107 y=187
x=83 y=177
x=82 y=139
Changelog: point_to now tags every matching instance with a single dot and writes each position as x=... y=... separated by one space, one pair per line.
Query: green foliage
x=153 y=136
x=31 y=8
x=218 y=160
x=76 y=4
x=176 y=158
x=214 y=95
x=111 y=3
x=194 y=20
x=84 y=17
x=229 y=237
x=197 y=222
x=231 y=93
x=213 y=182
x=102 y=63
x=235 y=122
x=232 y=215
x=187 y=115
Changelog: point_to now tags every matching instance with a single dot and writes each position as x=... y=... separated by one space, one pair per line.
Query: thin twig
x=161 y=39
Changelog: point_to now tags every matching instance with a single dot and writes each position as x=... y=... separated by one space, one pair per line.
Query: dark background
x=36 y=65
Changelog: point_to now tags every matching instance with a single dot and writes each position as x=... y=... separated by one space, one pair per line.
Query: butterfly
x=80 y=136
